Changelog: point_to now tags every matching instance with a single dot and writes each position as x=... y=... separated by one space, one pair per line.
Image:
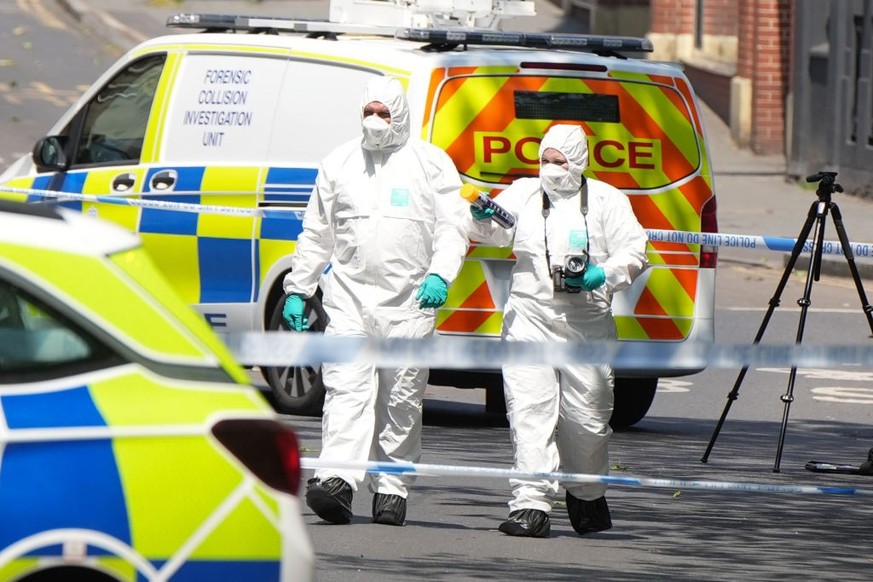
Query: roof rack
x=583 y=42
x=430 y=13
x=437 y=38
x=374 y=16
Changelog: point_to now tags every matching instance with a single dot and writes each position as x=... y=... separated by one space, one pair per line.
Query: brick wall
x=664 y=16
x=762 y=28
x=772 y=25
x=720 y=17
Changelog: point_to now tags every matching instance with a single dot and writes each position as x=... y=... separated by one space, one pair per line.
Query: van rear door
x=645 y=138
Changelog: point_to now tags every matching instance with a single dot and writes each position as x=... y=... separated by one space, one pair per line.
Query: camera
x=574 y=266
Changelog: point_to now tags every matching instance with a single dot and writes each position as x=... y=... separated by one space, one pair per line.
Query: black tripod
x=818 y=212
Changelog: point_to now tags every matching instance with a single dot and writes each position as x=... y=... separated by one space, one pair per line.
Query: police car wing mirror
x=49 y=154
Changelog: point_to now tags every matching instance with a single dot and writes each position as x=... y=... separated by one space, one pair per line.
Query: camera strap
x=547 y=206
x=583 y=206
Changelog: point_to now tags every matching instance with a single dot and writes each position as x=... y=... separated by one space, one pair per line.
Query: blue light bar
x=588 y=42
x=435 y=36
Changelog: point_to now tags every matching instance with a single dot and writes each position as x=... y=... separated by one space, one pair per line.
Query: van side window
x=115 y=122
x=36 y=344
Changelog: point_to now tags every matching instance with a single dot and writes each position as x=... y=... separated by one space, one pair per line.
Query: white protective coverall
x=384 y=219
x=576 y=401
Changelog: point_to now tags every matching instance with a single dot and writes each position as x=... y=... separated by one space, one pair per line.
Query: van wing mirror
x=49 y=154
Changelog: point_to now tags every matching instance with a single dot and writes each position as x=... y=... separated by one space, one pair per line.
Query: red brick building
x=789 y=77
x=737 y=54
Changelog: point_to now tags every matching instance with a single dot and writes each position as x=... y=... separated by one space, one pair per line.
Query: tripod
x=817 y=216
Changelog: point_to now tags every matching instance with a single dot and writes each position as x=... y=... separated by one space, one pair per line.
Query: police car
x=132 y=446
x=206 y=144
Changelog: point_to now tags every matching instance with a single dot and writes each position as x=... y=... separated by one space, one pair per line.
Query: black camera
x=574 y=266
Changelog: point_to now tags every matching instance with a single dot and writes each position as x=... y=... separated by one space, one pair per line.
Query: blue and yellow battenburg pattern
x=210 y=258
x=131 y=499
x=117 y=467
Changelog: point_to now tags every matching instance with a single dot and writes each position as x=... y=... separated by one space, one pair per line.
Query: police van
x=206 y=144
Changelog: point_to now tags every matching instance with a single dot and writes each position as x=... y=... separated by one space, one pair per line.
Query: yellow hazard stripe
x=158 y=117
x=99 y=181
x=235 y=187
x=92 y=283
x=140 y=267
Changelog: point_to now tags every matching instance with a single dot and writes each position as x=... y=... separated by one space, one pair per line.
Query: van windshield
x=642 y=133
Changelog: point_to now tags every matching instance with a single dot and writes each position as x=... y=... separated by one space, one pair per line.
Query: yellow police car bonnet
x=389 y=92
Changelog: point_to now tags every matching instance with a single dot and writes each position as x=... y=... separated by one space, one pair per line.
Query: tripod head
x=827 y=184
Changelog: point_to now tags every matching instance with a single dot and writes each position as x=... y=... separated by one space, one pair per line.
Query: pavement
x=754 y=196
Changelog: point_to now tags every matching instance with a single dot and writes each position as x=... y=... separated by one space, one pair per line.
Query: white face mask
x=375 y=132
x=559 y=181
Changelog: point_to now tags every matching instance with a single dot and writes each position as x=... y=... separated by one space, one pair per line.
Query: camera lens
x=575 y=265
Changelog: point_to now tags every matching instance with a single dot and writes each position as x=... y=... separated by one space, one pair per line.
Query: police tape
x=143 y=203
x=753 y=242
x=740 y=241
x=280 y=349
x=465 y=471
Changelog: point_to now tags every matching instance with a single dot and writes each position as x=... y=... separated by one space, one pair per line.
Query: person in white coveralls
x=386 y=214
x=576 y=242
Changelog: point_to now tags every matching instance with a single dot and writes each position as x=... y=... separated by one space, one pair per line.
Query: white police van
x=206 y=144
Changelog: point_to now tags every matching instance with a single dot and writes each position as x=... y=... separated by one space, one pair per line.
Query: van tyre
x=633 y=397
x=296 y=390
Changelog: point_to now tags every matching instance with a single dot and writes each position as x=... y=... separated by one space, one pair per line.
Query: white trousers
x=559 y=418
x=373 y=414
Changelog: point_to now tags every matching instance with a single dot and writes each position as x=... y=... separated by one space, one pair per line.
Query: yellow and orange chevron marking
x=654 y=151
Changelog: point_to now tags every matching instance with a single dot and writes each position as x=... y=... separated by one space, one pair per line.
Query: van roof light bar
x=233 y=23
x=440 y=37
x=583 y=42
x=379 y=17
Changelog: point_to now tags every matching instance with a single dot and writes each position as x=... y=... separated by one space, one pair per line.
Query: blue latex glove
x=593 y=277
x=293 y=313
x=578 y=281
x=481 y=213
x=433 y=292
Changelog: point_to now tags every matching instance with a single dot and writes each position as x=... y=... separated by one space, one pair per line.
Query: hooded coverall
x=384 y=219
x=562 y=416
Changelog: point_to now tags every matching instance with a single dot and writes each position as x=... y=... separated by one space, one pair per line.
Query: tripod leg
x=850 y=258
x=804 y=302
x=773 y=304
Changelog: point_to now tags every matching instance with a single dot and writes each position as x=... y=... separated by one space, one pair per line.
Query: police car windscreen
x=566 y=106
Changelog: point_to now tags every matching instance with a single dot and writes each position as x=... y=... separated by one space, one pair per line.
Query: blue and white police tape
x=753 y=242
x=456 y=352
x=464 y=471
x=715 y=239
x=142 y=202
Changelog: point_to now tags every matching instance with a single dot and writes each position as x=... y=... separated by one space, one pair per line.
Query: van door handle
x=123 y=182
x=164 y=181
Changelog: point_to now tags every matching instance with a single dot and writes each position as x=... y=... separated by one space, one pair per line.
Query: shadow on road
x=660 y=533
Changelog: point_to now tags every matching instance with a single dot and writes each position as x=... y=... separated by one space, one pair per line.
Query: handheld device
x=481 y=201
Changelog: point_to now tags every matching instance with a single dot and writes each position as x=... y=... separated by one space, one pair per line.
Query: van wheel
x=296 y=390
x=633 y=397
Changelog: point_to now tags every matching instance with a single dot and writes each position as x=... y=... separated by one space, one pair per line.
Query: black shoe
x=331 y=499
x=866 y=467
x=588 y=516
x=527 y=523
x=389 y=509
